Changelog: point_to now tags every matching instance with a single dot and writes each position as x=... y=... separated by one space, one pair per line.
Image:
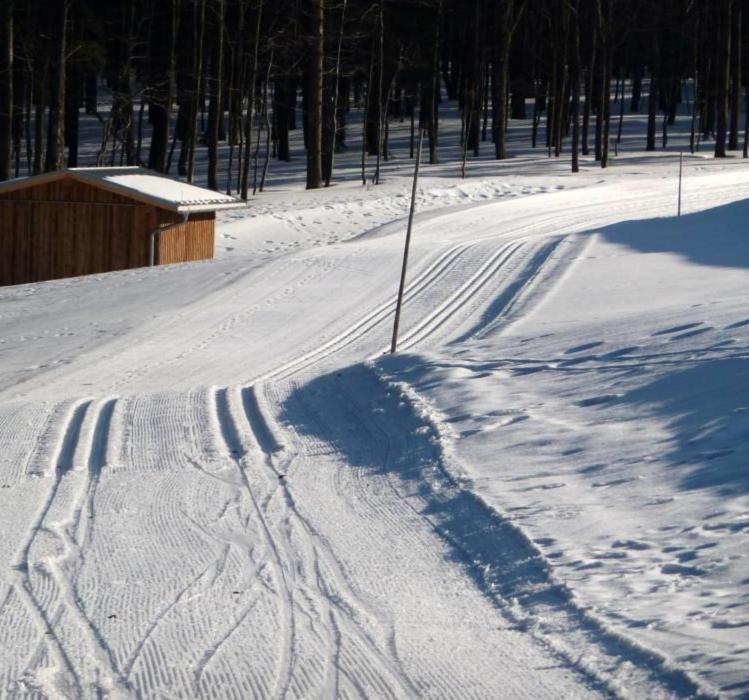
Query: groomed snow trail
x=226 y=502
x=151 y=568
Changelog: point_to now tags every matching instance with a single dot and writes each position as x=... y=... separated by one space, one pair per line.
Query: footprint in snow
x=739 y=324
x=597 y=400
x=608 y=484
x=615 y=354
x=631 y=544
x=678 y=329
x=690 y=334
x=681 y=570
x=545 y=541
x=586 y=346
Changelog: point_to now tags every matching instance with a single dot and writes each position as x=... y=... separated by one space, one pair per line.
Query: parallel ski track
x=246 y=436
x=305 y=570
x=532 y=228
x=67 y=516
x=449 y=308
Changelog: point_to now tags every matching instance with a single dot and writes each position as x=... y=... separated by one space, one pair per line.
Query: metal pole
x=402 y=286
x=681 y=168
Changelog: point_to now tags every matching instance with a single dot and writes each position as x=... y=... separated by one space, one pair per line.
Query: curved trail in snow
x=298 y=534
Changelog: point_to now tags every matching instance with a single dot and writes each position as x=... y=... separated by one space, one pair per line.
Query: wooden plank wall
x=67 y=228
x=193 y=240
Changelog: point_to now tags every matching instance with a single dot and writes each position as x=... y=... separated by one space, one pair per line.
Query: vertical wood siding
x=193 y=240
x=67 y=228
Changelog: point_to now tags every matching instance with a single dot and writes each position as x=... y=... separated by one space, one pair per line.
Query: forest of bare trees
x=167 y=78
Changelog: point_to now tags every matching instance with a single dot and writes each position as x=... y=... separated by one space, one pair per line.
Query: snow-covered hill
x=213 y=481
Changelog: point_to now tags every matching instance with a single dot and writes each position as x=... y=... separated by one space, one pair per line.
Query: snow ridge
x=512 y=571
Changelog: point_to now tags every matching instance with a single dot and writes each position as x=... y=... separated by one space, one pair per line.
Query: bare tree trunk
x=693 y=124
x=266 y=113
x=588 y=97
x=247 y=131
x=216 y=107
x=605 y=10
x=736 y=23
x=381 y=76
x=316 y=9
x=723 y=57
x=502 y=76
x=575 y=85
x=435 y=89
x=198 y=36
x=337 y=79
x=28 y=108
x=621 y=113
x=6 y=89
x=236 y=83
x=162 y=89
x=39 y=92
x=365 y=118
x=256 y=152
x=55 y=158
x=745 y=153
x=20 y=89
x=72 y=115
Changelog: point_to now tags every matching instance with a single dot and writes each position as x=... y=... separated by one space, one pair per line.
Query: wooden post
x=401 y=288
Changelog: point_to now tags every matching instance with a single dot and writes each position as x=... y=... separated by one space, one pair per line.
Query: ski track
x=249 y=534
x=47 y=563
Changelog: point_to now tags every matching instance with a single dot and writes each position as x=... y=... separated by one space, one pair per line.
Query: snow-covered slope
x=606 y=416
x=214 y=483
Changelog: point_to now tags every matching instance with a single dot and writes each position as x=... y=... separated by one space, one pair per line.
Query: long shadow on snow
x=701 y=398
x=707 y=410
x=372 y=426
x=715 y=237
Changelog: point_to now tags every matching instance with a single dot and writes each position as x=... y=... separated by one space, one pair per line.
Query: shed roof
x=136 y=183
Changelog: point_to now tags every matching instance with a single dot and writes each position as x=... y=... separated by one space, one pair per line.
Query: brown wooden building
x=90 y=220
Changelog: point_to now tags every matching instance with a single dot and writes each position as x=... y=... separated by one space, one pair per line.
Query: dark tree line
x=186 y=75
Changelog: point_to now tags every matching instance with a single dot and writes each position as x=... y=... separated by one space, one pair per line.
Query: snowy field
x=215 y=483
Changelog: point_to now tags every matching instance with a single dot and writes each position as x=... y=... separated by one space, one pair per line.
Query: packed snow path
x=207 y=492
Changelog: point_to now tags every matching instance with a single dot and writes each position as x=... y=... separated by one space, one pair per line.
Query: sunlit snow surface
x=214 y=483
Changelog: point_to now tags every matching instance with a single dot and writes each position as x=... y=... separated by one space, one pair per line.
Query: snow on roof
x=139 y=183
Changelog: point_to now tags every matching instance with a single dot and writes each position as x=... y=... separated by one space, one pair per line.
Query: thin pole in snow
x=402 y=286
x=681 y=169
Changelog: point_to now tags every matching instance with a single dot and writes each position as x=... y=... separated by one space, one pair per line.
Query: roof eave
x=79 y=175
x=20 y=183
x=198 y=208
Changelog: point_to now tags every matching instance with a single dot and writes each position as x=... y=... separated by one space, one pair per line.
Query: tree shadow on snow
x=706 y=406
x=372 y=427
x=715 y=237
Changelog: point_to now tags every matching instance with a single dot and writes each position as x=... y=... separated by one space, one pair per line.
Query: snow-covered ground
x=214 y=482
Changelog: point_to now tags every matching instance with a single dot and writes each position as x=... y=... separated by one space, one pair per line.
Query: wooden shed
x=89 y=220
